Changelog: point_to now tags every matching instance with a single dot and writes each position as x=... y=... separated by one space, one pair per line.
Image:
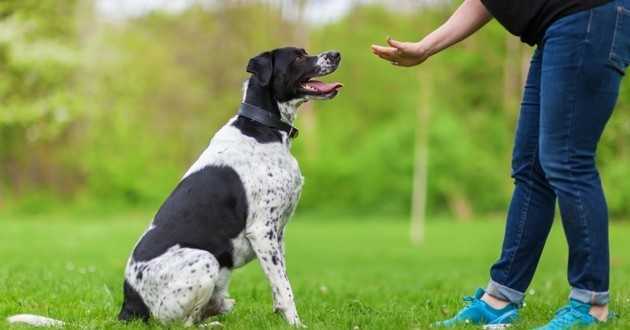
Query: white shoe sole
x=496 y=326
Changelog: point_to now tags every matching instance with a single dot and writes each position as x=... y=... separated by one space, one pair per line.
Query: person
x=583 y=49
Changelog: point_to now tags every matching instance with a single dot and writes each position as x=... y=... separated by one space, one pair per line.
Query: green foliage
x=38 y=57
x=109 y=114
x=38 y=60
x=364 y=140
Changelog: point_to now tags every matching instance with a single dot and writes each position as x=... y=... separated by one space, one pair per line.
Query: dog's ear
x=261 y=67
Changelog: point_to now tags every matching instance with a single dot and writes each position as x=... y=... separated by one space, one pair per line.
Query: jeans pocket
x=620 y=48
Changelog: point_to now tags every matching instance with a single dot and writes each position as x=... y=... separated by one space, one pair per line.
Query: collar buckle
x=293 y=132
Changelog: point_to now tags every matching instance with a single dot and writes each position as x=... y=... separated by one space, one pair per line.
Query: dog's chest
x=273 y=183
x=273 y=187
x=269 y=173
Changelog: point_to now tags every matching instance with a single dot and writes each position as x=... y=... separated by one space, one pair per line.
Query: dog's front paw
x=300 y=325
x=291 y=316
x=296 y=323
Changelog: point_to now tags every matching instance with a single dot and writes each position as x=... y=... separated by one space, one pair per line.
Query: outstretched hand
x=401 y=53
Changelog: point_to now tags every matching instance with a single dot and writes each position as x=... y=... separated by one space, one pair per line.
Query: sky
x=318 y=11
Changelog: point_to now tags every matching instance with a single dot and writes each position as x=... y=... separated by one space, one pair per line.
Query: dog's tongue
x=323 y=87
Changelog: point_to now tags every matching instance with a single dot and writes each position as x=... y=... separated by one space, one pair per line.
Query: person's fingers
x=379 y=52
x=377 y=47
x=384 y=50
x=379 y=55
x=386 y=57
x=396 y=44
x=385 y=54
x=398 y=53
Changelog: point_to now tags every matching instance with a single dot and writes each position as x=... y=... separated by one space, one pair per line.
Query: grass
x=347 y=273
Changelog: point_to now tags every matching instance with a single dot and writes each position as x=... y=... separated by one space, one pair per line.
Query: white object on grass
x=496 y=326
x=34 y=320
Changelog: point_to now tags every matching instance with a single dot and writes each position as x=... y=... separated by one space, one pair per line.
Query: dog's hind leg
x=220 y=302
x=188 y=283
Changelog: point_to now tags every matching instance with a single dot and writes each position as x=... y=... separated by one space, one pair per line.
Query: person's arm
x=466 y=20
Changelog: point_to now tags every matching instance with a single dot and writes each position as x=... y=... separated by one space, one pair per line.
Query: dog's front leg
x=267 y=247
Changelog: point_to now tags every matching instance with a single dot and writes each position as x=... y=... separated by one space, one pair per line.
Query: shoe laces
x=566 y=316
x=469 y=302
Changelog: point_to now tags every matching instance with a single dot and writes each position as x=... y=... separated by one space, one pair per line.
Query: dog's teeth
x=310 y=88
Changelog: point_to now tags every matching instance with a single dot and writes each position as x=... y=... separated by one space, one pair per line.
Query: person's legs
x=532 y=207
x=579 y=92
x=530 y=217
x=584 y=61
x=580 y=66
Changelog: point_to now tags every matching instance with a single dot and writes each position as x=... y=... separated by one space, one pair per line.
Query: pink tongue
x=323 y=87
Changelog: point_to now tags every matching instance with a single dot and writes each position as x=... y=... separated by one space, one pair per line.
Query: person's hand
x=402 y=53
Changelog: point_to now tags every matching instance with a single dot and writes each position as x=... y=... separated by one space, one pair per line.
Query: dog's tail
x=34 y=320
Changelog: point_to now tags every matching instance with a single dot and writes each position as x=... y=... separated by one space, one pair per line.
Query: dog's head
x=289 y=74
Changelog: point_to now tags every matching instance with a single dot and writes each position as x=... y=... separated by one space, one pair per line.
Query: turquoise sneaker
x=573 y=315
x=478 y=312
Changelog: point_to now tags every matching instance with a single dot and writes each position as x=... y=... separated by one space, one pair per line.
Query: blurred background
x=105 y=103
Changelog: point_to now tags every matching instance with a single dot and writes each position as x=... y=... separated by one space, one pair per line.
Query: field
x=348 y=273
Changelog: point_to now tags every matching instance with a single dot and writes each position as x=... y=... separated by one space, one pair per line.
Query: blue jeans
x=569 y=96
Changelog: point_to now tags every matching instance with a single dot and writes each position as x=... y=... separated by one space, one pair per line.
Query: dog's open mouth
x=317 y=87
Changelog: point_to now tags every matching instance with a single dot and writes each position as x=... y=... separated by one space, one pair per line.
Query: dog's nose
x=335 y=56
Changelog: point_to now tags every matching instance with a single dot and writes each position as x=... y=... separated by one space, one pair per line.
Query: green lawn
x=347 y=273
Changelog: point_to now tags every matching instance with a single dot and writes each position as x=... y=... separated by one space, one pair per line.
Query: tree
x=420 y=173
x=38 y=62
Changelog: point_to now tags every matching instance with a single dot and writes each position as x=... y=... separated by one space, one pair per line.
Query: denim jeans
x=569 y=96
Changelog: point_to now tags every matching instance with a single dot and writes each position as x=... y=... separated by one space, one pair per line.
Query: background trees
x=100 y=113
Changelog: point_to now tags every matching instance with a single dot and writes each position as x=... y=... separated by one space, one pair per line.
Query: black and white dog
x=233 y=203
x=231 y=206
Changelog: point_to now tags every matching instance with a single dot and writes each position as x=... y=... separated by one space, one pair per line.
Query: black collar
x=267 y=118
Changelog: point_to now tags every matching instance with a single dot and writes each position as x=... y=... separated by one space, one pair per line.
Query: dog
x=233 y=203
x=231 y=206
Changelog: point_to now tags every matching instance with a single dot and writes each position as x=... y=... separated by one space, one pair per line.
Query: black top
x=529 y=19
